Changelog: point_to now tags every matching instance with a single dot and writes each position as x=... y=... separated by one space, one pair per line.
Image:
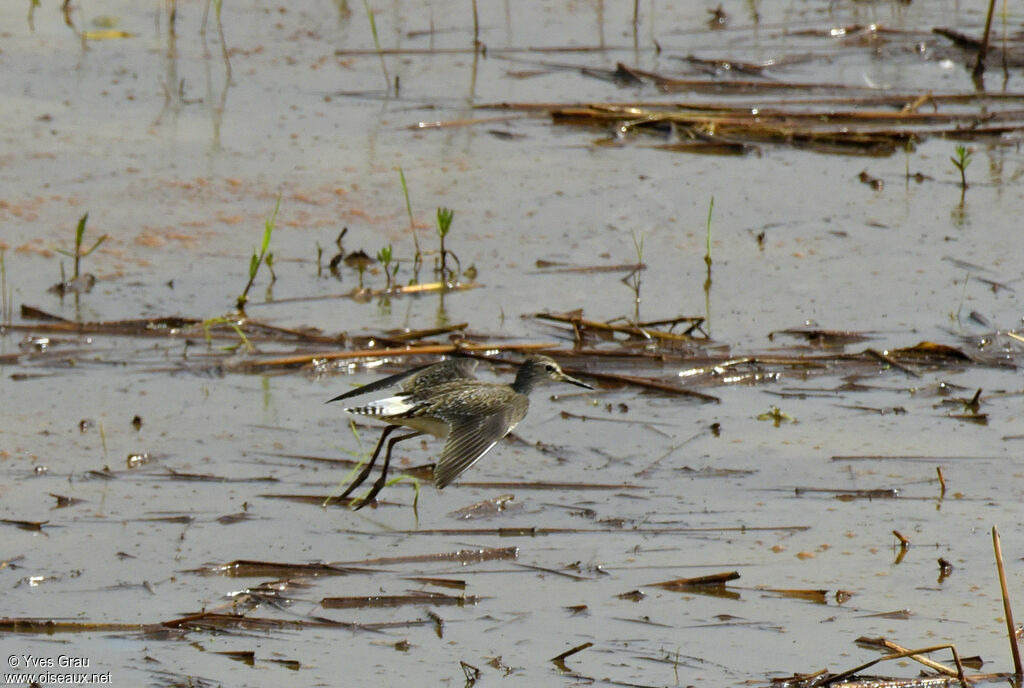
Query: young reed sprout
x=359 y=260
x=384 y=258
x=444 y=225
x=476 y=27
x=707 y=262
x=376 y=44
x=908 y=148
x=417 y=259
x=78 y=253
x=270 y=266
x=5 y=298
x=233 y=323
x=339 y=256
x=960 y=161
x=633 y=278
x=264 y=256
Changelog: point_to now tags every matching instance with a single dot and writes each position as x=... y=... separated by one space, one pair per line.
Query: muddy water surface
x=181 y=164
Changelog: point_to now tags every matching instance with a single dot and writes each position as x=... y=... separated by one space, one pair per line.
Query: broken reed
x=1011 y=628
x=860 y=123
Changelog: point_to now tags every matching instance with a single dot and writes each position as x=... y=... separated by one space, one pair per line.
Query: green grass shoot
x=707 y=262
x=270 y=266
x=258 y=259
x=963 y=297
x=908 y=148
x=634 y=277
x=961 y=160
x=476 y=26
x=5 y=298
x=444 y=221
x=444 y=225
x=78 y=254
x=417 y=260
x=638 y=246
x=363 y=458
x=233 y=324
x=707 y=234
x=268 y=399
x=384 y=257
x=376 y=44
x=32 y=5
x=415 y=489
x=223 y=43
x=777 y=416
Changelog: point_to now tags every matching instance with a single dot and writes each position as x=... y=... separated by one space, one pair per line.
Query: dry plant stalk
x=1007 y=609
x=913 y=654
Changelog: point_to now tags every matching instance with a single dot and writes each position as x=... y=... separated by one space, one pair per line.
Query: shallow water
x=182 y=179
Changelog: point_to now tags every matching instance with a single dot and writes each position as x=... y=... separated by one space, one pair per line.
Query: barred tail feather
x=382 y=408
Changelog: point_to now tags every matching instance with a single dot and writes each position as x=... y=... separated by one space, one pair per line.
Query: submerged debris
x=434 y=599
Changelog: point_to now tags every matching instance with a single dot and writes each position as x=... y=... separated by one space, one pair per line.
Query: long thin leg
x=369 y=464
x=383 y=479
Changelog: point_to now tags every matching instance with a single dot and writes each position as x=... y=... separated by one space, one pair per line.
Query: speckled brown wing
x=419 y=379
x=449 y=370
x=479 y=418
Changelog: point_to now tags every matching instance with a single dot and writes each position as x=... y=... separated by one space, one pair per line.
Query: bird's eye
x=549 y=367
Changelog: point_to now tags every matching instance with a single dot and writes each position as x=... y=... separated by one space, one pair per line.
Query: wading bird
x=446 y=400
